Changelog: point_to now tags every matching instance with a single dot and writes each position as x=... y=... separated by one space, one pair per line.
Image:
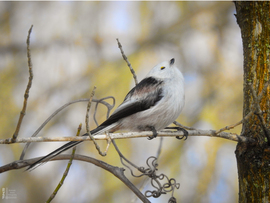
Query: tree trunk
x=253 y=158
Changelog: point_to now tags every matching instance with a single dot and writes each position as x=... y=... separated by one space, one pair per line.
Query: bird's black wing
x=143 y=96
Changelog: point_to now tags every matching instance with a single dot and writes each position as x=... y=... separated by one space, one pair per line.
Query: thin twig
x=109 y=107
x=66 y=171
x=126 y=59
x=122 y=157
x=26 y=94
x=229 y=127
x=87 y=111
x=87 y=125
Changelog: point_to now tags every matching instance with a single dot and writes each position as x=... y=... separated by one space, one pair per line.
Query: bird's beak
x=172 y=61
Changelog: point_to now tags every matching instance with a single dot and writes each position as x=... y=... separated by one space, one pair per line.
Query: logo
x=8 y=193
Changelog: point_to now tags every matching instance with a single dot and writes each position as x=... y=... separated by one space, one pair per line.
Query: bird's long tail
x=65 y=147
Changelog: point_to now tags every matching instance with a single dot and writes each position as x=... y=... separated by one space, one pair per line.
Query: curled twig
x=109 y=107
x=150 y=171
x=169 y=186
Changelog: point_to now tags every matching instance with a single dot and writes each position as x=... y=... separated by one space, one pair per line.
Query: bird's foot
x=153 y=129
x=180 y=129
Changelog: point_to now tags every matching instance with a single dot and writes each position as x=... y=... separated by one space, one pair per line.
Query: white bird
x=151 y=105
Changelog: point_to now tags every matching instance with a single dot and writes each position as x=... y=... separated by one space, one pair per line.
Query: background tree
x=73 y=45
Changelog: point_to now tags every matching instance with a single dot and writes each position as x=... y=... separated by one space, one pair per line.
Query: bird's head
x=165 y=69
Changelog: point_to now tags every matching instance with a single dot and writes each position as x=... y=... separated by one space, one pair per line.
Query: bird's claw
x=154 y=133
x=185 y=133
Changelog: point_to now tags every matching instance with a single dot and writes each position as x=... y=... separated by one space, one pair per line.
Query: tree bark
x=253 y=159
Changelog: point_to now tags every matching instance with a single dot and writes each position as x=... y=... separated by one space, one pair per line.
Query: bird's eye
x=162 y=68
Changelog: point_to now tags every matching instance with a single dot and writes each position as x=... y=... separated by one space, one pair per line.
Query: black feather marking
x=150 y=93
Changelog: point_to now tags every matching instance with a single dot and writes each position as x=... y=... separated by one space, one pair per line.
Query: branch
x=116 y=171
x=209 y=133
x=26 y=94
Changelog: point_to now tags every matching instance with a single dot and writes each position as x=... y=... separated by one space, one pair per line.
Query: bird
x=153 y=104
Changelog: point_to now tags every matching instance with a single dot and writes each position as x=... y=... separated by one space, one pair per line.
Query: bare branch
x=129 y=65
x=116 y=171
x=26 y=94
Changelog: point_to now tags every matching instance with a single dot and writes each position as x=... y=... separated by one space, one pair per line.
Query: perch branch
x=209 y=133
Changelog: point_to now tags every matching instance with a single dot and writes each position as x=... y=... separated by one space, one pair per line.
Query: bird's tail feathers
x=98 y=130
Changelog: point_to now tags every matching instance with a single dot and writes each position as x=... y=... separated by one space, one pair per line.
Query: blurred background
x=74 y=48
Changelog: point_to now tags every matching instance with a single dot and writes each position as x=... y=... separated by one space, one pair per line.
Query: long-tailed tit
x=151 y=105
